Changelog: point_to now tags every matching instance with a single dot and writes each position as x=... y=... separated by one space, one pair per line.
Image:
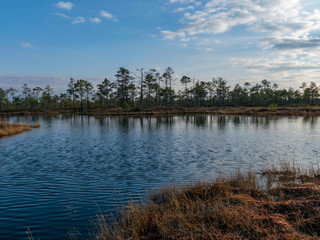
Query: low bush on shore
x=278 y=203
x=7 y=129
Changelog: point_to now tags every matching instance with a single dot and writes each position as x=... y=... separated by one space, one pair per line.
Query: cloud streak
x=27 y=45
x=64 y=5
x=62 y=15
x=291 y=44
x=183 y=9
x=107 y=15
x=185 y=2
x=78 y=20
x=95 y=20
x=297 y=65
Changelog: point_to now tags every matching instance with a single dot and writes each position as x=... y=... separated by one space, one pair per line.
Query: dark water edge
x=53 y=179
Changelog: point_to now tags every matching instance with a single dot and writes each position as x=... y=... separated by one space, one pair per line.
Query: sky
x=48 y=41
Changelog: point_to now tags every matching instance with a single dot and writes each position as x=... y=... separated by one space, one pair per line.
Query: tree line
x=151 y=88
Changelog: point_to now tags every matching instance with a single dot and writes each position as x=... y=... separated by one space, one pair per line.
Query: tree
x=89 y=89
x=185 y=80
x=141 y=86
x=123 y=81
x=238 y=95
x=17 y=101
x=63 y=99
x=158 y=87
x=211 y=88
x=221 y=89
x=10 y=91
x=167 y=76
x=47 y=96
x=274 y=93
x=34 y=98
x=304 y=96
x=266 y=93
x=150 y=83
x=312 y=92
x=255 y=93
x=247 y=86
x=132 y=93
x=26 y=93
x=80 y=87
x=36 y=95
x=104 y=91
x=2 y=98
x=265 y=84
x=72 y=91
x=200 y=93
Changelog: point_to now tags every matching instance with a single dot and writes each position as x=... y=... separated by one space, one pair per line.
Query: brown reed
x=236 y=208
x=7 y=128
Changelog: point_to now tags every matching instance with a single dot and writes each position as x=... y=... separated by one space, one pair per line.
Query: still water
x=54 y=179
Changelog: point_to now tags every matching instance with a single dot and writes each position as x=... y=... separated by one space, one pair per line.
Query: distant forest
x=150 y=88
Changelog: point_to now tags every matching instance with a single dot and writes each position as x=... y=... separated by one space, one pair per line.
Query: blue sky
x=47 y=42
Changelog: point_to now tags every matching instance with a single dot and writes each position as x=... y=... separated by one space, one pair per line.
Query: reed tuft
x=7 y=129
x=245 y=206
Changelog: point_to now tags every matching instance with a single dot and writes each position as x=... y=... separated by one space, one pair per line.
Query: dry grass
x=7 y=129
x=286 y=207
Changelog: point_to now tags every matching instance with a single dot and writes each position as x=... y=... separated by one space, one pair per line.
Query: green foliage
x=126 y=105
x=123 y=86
x=273 y=106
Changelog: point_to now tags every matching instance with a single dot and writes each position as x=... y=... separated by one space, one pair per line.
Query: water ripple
x=53 y=179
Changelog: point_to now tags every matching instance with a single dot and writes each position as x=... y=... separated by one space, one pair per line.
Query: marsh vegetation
x=276 y=203
x=7 y=128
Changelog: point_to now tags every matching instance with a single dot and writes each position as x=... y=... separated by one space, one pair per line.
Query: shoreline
x=235 y=207
x=173 y=111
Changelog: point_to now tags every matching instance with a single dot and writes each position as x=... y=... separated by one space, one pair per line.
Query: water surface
x=53 y=179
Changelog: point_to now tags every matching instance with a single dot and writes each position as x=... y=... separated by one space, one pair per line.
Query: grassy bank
x=165 y=111
x=7 y=129
x=286 y=207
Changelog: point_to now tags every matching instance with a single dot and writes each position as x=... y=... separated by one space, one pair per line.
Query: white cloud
x=181 y=9
x=288 y=34
x=107 y=15
x=64 y=5
x=63 y=15
x=168 y=35
x=297 y=65
x=185 y=39
x=27 y=45
x=185 y=2
x=273 y=17
x=95 y=20
x=78 y=20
